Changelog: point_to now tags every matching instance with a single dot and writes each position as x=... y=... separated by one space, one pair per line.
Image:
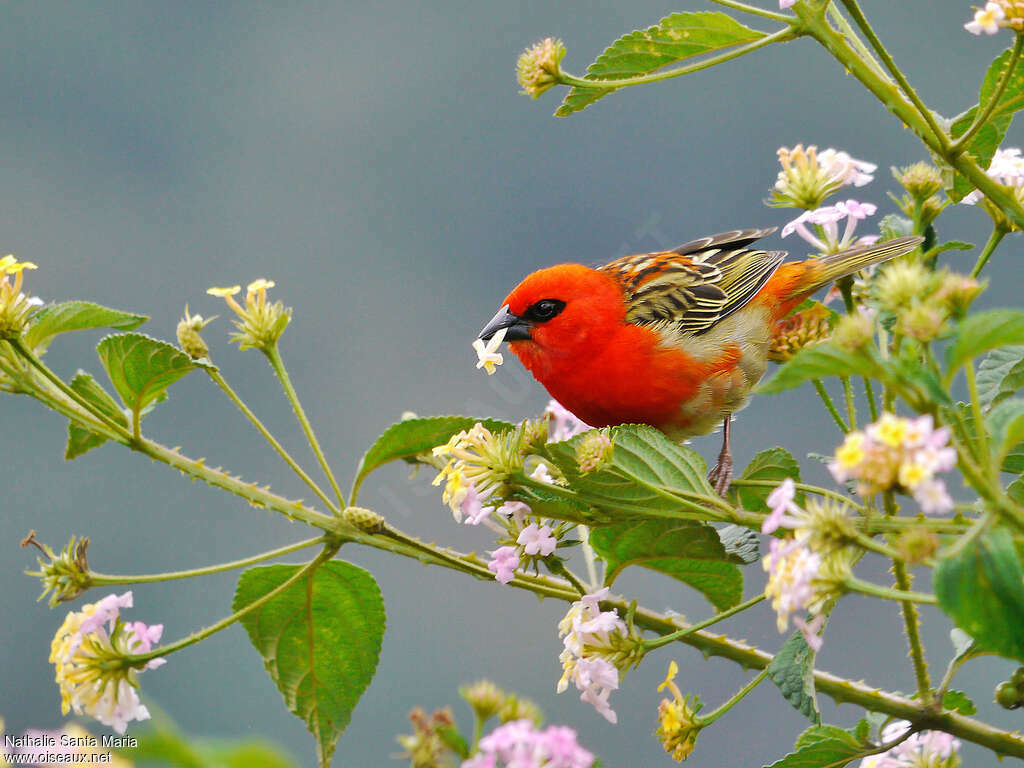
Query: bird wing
x=697 y=284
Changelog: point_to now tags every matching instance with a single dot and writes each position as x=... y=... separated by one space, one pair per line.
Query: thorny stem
x=274 y=356
x=221 y=382
x=754 y=10
x=869 y=393
x=580 y=82
x=998 y=233
x=830 y=406
x=165 y=650
x=851 y=409
x=103 y=579
x=911 y=621
x=989 y=107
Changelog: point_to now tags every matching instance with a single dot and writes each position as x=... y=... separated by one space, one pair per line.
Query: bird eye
x=545 y=309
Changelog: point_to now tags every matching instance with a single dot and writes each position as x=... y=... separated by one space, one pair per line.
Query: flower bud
x=66 y=575
x=188 y=335
x=921 y=180
x=957 y=292
x=916 y=545
x=593 y=451
x=900 y=283
x=537 y=69
x=854 y=332
x=363 y=519
x=921 y=321
x=519 y=708
x=485 y=698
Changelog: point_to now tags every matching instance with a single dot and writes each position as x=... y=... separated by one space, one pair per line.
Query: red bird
x=675 y=339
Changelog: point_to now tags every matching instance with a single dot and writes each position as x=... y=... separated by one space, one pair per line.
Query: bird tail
x=796 y=280
x=828 y=269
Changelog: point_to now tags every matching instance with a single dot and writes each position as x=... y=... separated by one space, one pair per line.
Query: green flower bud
x=593 y=451
x=537 y=69
x=188 y=335
x=921 y=180
x=854 y=332
x=485 y=698
x=363 y=519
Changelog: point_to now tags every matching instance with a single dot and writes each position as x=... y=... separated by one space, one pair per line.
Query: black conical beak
x=518 y=328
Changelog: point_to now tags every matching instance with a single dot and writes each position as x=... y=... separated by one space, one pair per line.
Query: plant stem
x=980 y=432
x=876 y=590
x=579 y=82
x=274 y=356
x=998 y=233
x=221 y=382
x=754 y=10
x=986 y=111
x=911 y=621
x=90 y=408
x=709 y=718
x=165 y=650
x=851 y=409
x=671 y=637
x=588 y=555
x=830 y=406
x=103 y=579
x=861 y=21
x=869 y=393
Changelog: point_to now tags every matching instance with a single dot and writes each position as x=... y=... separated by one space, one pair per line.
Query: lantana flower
x=537 y=68
x=16 y=308
x=260 y=322
x=563 y=424
x=678 y=722
x=1006 y=167
x=808 y=176
x=487 y=353
x=479 y=462
x=589 y=638
x=826 y=238
x=996 y=15
x=926 y=749
x=89 y=652
x=905 y=454
x=520 y=744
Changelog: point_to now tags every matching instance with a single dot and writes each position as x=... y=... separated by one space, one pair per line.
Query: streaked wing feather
x=696 y=285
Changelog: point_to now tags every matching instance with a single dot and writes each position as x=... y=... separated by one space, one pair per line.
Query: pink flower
x=986 y=19
x=537 y=540
x=828 y=218
x=104 y=611
x=518 y=744
x=473 y=511
x=784 y=4
x=517 y=510
x=933 y=497
x=781 y=501
x=792 y=569
x=810 y=630
x=563 y=424
x=504 y=562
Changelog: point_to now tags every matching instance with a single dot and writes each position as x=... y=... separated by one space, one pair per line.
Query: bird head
x=560 y=311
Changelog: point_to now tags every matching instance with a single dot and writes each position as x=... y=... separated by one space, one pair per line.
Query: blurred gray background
x=376 y=161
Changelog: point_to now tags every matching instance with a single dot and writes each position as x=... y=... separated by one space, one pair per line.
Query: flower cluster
x=800 y=329
x=426 y=744
x=590 y=638
x=808 y=176
x=922 y=182
x=826 y=219
x=923 y=300
x=537 y=68
x=678 y=722
x=901 y=454
x=995 y=15
x=520 y=744
x=927 y=749
x=1006 y=167
x=824 y=526
x=793 y=573
x=562 y=424
x=15 y=307
x=260 y=322
x=89 y=652
x=479 y=462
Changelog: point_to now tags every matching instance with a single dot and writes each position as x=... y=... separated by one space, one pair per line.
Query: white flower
x=487 y=355
x=828 y=218
x=537 y=540
x=986 y=19
x=845 y=169
x=1006 y=167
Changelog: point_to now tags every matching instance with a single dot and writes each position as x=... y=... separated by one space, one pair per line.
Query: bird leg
x=721 y=475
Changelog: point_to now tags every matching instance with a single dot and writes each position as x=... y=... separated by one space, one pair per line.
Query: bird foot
x=721 y=475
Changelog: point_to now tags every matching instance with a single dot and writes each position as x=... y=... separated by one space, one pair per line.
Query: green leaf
x=76 y=316
x=824 y=746
x=740 y=543
x=687 y=550
x=918 y=385
x=412 y=437
x=142 y=368
x=792 y=670
x=959 y=702
x=987 y=140
x=1000 y=375
x=817 y=362
x=648 y=474
x=165 y=745
x=674 y=39
x=980 y=585
x=80 y=439
x=1014 y=461
x=320 y=640
x=1005 y=425
x=982 y=332
x=772 y=465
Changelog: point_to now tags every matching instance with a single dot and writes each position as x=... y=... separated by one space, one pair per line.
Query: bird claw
x=721 y=475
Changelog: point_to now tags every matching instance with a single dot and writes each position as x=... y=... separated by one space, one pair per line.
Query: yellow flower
x=913 y=474
x=487 y=355
x=678 y=723
x=891 y=430
x=851 y=452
